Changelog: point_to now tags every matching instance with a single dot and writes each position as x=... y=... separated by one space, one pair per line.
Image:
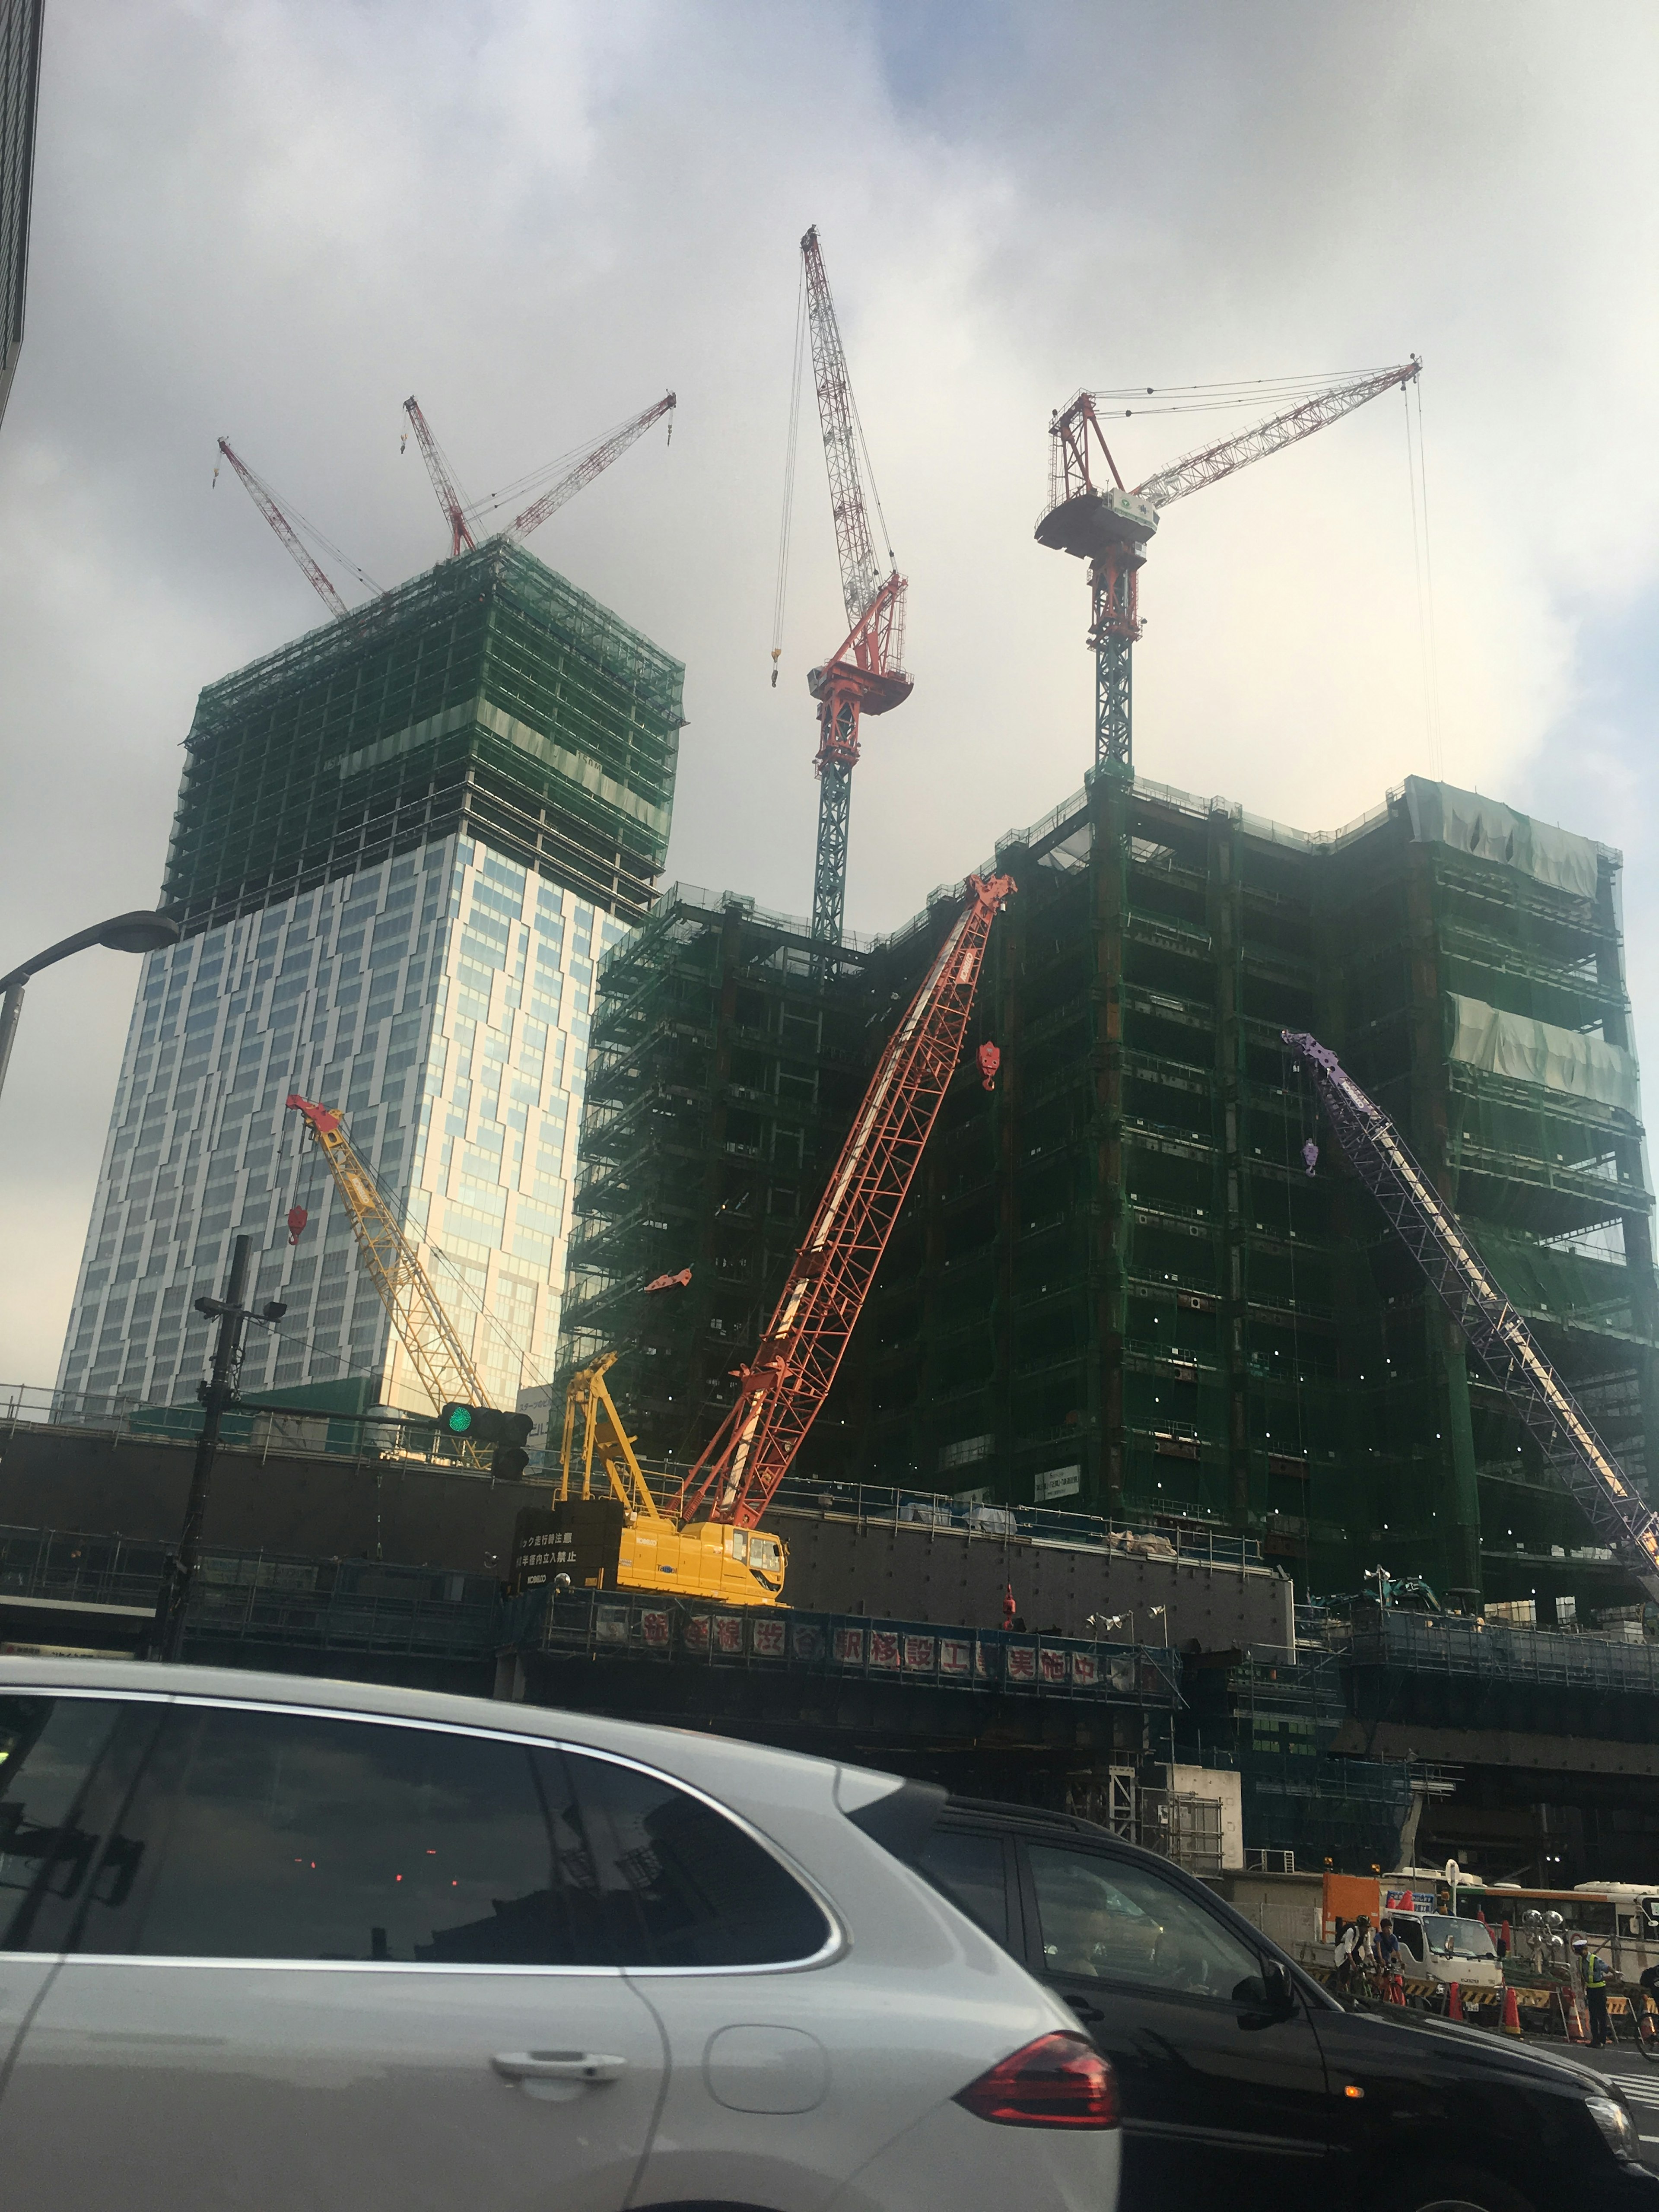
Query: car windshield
x=1457 y=1939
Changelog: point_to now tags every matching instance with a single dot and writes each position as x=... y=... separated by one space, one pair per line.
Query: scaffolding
x=487 y=695
x=1116 y=1286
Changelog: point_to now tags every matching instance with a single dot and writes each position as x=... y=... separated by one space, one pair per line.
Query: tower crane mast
x=782 y=1389
x=865 y=674
x=1109 y=526
x=424 y=1329
x=1500 y=1339
x=266 y=500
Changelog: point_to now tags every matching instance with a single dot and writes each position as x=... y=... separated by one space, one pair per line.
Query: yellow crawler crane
x=425 y=1330
x=704 y=1558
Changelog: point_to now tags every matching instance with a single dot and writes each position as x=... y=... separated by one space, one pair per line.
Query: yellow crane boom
x=587 y=1396
x=424 y=1329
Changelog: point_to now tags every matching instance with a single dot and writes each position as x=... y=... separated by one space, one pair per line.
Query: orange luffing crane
x=782 y=1390
x=706 y=1541
x=1109 y=526
x=464 y=516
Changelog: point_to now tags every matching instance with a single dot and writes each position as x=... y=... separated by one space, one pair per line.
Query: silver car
x=274 y=1942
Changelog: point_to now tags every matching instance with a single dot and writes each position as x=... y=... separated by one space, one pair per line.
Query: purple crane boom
x=1502 y=1341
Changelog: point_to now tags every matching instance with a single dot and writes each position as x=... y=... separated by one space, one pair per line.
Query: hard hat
x=1581 y=1943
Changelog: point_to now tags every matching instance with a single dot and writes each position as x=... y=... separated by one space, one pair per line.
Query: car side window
x=1111 y=1920
x=289 y=1836
x=50 y=1750
x=972 y=1873
x=680 y=1885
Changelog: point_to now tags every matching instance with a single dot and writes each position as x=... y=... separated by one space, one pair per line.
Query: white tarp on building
x=1537 y=1052
x=1443 y=815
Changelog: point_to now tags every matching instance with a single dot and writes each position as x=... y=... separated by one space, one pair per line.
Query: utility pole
x=168 y=1636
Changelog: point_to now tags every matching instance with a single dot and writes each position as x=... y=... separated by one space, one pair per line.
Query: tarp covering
x=1537 y=1052
x=1443 y=815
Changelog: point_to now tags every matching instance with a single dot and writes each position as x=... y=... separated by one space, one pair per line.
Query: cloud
x=274 y=222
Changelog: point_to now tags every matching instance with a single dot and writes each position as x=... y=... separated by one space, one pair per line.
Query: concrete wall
x=911 y=1571
x=322 y=1507
x=1225 y=1784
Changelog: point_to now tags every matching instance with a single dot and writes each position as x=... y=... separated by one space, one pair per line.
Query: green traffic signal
x=457 y=1419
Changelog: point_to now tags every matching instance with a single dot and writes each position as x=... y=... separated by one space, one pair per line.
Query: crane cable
x=1422 y=578
x=786 y=524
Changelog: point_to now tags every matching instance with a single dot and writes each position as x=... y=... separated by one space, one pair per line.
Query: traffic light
x=506 y=1433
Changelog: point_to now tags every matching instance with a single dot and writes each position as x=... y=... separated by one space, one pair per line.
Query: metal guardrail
x=257 y=1597
x=595 y=1624
x=1451 y=1643
x=365 y=1605
x=381 y=1435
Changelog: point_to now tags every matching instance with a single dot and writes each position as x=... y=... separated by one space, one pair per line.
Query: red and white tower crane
x=1109 y=526
x=865 y=674
x=464 y=516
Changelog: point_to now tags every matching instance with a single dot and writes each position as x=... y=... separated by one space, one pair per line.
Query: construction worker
x=1593 y=1968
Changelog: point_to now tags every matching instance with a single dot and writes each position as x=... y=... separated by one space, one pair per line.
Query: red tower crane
x=782 y=1388
x=462 y=516
x=266 y=500
x=864 y=675
x=1109 y=526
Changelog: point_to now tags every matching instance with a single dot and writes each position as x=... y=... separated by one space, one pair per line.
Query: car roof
x=691 y=1753
x=987 y=1812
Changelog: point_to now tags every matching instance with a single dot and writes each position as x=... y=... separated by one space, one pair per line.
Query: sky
x=274 y=222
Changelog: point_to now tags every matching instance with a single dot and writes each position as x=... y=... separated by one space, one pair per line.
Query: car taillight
x=1058 y=2082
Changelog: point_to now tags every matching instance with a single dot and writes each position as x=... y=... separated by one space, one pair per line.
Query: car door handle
x=1084 y=2009
x=558 y=2066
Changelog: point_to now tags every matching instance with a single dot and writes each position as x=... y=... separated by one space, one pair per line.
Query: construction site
x=1168 y=1332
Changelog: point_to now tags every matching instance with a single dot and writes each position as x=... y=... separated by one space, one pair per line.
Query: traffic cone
x=1453 y=2001
x=1569 y=2019
x=1508 y=2020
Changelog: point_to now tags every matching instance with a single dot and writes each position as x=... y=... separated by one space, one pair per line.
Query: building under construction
x=1126 y=1279
x=401 y=844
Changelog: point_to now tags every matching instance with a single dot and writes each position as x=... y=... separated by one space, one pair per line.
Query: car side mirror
x=1268 y=1995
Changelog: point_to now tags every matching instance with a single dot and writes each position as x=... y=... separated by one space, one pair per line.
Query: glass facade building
x=408 y=934
x=20 y=91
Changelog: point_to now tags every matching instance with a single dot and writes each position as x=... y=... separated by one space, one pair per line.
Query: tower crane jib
x=266 y=500
x=1110 y=527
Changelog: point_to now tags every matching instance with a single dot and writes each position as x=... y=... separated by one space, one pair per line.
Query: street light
x=141 y=932
x=1161 y=1612
x=1100 y=1622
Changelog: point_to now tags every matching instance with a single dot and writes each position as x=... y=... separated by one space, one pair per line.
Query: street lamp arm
x=140 y=930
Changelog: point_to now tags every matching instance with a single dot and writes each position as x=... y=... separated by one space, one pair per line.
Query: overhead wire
x=786 y=524
x=1418 y=534
x=509 y=493
x=1428 y=570
x=1207 y=398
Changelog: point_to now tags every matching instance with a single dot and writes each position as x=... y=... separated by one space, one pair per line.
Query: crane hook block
x=297 y=1218
x=1310 y=1156
x=990 y=1059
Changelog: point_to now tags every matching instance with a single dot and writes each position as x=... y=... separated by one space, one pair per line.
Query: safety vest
x=1595 y=1971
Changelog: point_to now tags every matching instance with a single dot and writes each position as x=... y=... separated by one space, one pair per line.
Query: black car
x=1245 y=2085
